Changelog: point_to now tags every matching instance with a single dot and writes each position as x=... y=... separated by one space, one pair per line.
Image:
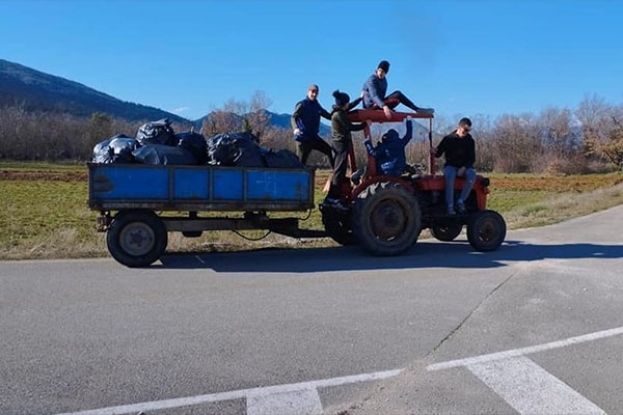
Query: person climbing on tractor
x=389 y=153
x=374 y=91
x=306 y=124
x=341 y=129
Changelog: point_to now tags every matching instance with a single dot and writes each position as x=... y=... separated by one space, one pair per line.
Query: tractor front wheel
x=486 y=230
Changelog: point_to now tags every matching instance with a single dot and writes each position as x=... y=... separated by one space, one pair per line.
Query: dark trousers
x=339 y=168
x=306 y=146
x=397 y=97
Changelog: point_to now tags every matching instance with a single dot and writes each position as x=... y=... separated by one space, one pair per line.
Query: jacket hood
x=389 y=136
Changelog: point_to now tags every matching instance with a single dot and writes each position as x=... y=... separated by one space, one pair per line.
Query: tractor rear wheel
x=486 y=230
x=386 y=219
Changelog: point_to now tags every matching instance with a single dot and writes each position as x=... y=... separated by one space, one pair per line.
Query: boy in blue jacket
x=390 y=151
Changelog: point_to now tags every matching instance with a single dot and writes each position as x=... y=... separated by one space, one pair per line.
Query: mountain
x=41 y=92
x=37 y=91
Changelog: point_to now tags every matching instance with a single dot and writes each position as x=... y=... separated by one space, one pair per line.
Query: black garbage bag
x=282 y=159
x=166 y=155
x=117 y=149
x=102 y=153
x=235 y=149
x=123 y=147
x=156 y=132
x=195 y=143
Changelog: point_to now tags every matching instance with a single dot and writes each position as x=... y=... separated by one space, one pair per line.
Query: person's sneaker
x=451 y=211
x=334 y=203
x=356 y=177
x=425 y=111
x=461 y=208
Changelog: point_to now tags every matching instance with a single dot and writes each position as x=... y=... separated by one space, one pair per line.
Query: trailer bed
x=199 y=188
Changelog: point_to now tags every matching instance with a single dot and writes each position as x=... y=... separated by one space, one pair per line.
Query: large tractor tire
x=338 y=225
x=486 y=230
x=386 y=219
x=446 y=232
x=136 y=238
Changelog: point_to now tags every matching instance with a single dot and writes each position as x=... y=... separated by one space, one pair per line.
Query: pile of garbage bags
x=157 y=143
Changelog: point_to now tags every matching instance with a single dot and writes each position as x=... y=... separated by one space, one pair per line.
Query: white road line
x=526 y=350
x=288 y=391
x=302 y=402
x=285 y=391
x=530 y=389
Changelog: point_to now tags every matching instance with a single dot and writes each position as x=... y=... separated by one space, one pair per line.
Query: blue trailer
x=128 y=197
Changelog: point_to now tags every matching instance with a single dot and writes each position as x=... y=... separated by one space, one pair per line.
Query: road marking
x=270 y=394
x=303 y=402
x=526 y=350
x=300 y=391
x=530 y=389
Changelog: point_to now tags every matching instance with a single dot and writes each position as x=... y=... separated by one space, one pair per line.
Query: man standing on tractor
x=374 y=91
x=341 y=129
x=460 y=150
x=306 y=124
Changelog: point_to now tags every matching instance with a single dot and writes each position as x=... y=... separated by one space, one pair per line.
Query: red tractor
x=385 y=214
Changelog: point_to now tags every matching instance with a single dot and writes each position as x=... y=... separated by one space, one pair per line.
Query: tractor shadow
x=426 y=254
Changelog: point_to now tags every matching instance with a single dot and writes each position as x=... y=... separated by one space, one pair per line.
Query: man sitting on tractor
x=390 y=151
x=459 y=148
x=375 y=90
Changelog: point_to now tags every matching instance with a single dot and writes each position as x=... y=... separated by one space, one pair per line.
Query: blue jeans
x=449 y=172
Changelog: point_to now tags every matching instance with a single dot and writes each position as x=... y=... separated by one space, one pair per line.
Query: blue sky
x=460 y=57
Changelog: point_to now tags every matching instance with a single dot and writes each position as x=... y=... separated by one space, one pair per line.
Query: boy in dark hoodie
x=341 y=129
x=390 y=151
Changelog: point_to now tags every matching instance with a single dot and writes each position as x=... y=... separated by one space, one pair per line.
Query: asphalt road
x=302 y=331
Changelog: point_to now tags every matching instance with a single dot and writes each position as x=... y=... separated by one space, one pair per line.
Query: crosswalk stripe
x=301 y=402
x=530 y=389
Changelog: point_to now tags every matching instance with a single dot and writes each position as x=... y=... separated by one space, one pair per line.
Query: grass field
x=44 y=213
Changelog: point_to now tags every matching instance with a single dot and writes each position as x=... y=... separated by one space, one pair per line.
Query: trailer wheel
x=486 y=230
x=338 y=225
x=136 y=238
x=446 y=232
x=386 y=219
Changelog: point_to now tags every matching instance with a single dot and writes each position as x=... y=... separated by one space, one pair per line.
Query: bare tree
x=598 y=120
x=251 y=116
x=517 y=143
x=613 y=148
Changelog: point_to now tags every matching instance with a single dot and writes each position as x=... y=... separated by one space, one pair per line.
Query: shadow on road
x=426 y=254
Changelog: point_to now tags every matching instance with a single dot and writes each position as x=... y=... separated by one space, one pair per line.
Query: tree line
x=585 y=139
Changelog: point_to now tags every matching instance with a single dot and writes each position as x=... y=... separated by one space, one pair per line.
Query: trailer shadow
x=426 y=254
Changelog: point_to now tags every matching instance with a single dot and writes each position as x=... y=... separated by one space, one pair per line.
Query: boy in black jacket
x=460 y=150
